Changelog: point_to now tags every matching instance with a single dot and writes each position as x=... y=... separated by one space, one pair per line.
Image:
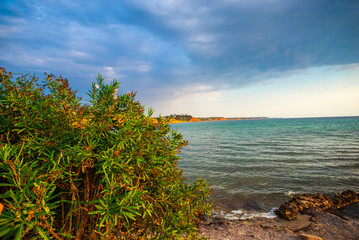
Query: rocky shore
x=319 y=201
x=309 y=216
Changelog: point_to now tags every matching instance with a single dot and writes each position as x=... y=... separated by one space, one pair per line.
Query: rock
x=205 y=219
x=302 y=222
x=344 y=199
x=317 y=201
x=309 y=237
x=266 y=226
x=350 y=212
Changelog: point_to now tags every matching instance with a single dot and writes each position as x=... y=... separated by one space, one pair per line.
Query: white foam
x=237 y=211
x=243 y=215
x=290 y=193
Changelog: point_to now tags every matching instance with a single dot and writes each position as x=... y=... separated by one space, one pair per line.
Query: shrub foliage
x=104 y=170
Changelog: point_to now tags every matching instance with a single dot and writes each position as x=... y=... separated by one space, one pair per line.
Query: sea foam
x=243 y=215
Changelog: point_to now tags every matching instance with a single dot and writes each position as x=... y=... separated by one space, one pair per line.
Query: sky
x=231 y=58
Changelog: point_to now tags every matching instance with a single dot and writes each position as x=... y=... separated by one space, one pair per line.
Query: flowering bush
x=105 y=170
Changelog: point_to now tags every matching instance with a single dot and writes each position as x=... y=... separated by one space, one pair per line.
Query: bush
x=105 y=170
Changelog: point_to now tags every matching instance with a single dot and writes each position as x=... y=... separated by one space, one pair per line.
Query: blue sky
x=274 y=58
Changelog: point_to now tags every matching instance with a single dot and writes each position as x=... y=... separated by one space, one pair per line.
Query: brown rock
x=309 y=237
x=344 y=199
x=317 y=201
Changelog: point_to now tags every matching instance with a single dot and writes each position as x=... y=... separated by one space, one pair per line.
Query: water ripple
x=265 y=157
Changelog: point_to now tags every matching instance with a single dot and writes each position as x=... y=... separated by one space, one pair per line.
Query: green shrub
x=105 y=170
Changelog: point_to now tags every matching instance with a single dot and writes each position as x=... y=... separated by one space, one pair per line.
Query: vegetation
x=180 y=117
x=105 y=170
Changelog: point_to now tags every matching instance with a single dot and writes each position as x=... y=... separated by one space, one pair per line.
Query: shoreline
x=306 y=216
x=313 y=224
x=173 y=119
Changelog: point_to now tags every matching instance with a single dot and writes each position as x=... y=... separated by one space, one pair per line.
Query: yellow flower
x=82 y=124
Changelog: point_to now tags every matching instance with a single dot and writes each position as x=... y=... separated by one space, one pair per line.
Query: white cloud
x=109 y=73
x=314 y=92
x=77 y=54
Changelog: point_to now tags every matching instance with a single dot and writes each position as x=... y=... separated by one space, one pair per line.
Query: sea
x=254 y=166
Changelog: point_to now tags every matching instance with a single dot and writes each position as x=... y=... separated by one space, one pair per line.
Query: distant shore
x=207 y=119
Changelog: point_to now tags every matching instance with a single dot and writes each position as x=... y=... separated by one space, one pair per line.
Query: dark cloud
x=157 y=46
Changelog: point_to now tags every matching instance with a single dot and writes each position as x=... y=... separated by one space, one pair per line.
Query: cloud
x=160 y=46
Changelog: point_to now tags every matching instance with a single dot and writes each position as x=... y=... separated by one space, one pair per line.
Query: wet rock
x=344 y=199
x=317 y=201
x=350 y=212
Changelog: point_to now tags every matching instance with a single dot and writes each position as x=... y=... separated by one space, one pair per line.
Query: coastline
x=210 y=119
x=307 y=216
x=313 y=224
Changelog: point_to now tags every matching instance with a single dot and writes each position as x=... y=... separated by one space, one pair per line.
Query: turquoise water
x=256 y=165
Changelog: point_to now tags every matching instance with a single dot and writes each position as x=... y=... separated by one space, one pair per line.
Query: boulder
x=318 y=201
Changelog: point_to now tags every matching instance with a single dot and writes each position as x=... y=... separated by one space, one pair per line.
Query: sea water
x=256 y=165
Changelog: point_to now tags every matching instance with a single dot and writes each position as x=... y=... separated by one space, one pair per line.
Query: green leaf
x=6 y=185
x=4 y=229
x=19 y=232
x=47 y=209
x=129 y=215
x=42 y=233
